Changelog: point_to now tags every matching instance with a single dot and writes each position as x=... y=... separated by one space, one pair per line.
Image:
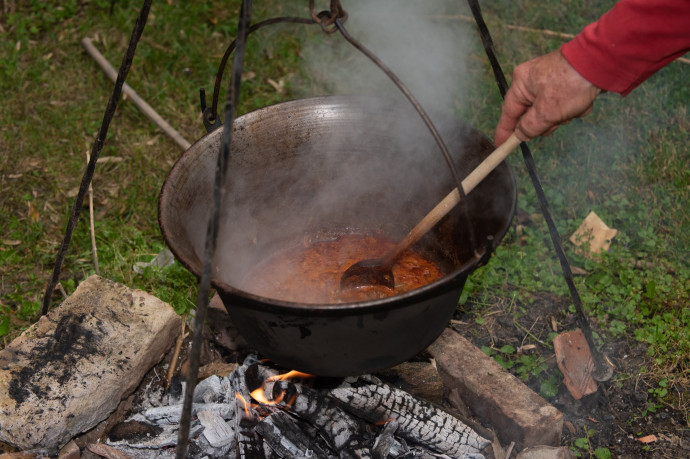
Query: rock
x=69 y=371
x=494 y=395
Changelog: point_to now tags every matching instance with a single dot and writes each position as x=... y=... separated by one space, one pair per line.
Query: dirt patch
x=619 y=414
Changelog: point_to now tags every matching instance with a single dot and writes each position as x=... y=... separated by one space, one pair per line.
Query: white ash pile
x=254 y=413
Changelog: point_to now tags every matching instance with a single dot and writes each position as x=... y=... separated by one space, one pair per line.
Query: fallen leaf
x=647 y=439
x=11 y=242
x=569 y=425
x=577 y=271
x=594 y=232
x=33 y=213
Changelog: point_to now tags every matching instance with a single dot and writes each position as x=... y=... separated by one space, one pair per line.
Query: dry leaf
x=595 y=232
x=577 y=271
x=648 y=439
x=34 y=216
x=11 y=242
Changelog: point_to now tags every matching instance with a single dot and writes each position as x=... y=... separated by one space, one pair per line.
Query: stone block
x=69 y=371
x=494 y=395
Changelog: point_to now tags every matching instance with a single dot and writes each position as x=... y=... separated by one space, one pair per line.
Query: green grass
x=628 y=161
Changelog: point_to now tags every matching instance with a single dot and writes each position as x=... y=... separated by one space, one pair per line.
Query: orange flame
x=244 y=402
x=290 y=374
x=260 y=396
x=383 y=422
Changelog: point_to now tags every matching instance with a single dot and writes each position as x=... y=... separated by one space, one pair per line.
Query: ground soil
x=616 y=412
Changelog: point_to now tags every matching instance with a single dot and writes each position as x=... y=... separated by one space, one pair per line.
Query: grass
x=628 y=161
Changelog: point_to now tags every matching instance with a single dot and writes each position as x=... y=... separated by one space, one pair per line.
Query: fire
x=260 y=396
x=384 y=422
x=244 y=402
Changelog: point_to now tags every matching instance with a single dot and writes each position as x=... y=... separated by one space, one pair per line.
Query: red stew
x=311 y=272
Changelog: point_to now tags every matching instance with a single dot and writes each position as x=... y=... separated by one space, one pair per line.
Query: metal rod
x=95 y=153
x=602 y=371
x=212 y=232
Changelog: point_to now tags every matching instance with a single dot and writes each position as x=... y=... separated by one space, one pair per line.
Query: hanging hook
x=326 y=19
x=209 y=116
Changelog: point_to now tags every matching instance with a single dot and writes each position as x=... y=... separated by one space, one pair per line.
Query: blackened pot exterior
x=316 y=167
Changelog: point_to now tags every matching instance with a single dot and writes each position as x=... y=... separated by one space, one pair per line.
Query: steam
x=382 y=173
x=429 y=55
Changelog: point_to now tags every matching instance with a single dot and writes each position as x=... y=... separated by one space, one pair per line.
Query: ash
x=358 y=417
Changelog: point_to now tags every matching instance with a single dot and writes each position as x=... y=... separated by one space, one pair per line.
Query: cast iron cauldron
x=315 y=168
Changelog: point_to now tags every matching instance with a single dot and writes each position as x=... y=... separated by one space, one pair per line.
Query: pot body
x=315 y=168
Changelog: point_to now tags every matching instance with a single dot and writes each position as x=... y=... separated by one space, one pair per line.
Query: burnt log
x=343 y=432
x=419 y=421
x=249 y=445
x=287 y=438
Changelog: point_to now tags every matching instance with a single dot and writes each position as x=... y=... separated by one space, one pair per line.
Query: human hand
x=545 y=93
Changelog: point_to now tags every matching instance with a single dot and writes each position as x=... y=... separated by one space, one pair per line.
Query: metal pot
x=314 y=167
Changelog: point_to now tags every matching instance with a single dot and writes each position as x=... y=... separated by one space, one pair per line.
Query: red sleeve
x=630 y=42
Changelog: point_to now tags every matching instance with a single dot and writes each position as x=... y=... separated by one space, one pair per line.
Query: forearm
x=630 y=43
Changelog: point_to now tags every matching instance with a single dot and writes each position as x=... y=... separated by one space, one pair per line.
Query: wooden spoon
x=379 y=271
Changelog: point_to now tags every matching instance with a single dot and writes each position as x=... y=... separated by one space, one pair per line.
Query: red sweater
x=630 y=42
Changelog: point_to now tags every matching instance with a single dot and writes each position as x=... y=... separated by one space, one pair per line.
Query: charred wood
x=342 y=432
x=419 y=421
x=288 y=439
x=384 y=442
x=249 y=444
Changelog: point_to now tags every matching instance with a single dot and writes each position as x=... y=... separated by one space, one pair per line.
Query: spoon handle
x=453 y=198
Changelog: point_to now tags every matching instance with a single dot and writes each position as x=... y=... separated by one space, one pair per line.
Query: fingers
x=546 y=92
x=517 y=102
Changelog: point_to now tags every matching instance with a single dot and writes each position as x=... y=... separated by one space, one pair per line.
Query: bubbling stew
x=310 y=272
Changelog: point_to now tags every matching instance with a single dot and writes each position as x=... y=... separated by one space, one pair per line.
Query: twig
x=176 y=354
x=138 y=101
x=62 y=290
x=509 y=451
x=528 y=332
x=550 y=33
x=94 y=250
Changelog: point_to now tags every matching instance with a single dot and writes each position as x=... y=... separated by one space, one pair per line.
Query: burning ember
x=298 y=415
x=260 y=396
